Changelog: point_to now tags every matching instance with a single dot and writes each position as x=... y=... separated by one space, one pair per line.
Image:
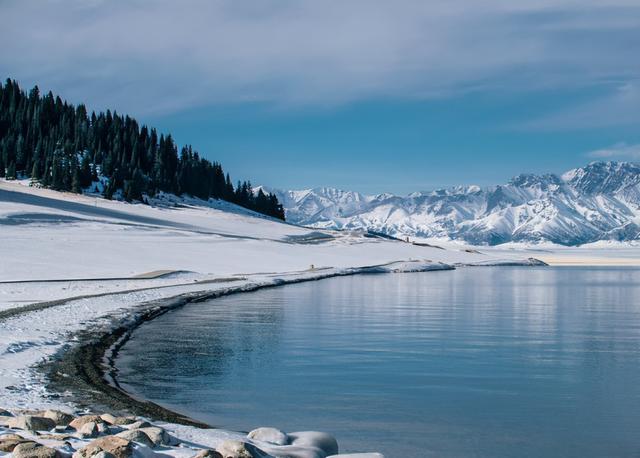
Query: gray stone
x=60 y=418
x=33 y=450
x=159 y=436
x=139 y=424
x=136 y=435
x=270 y=435
x=31 y=423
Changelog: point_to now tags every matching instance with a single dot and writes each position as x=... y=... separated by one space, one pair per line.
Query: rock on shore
x=57 y=434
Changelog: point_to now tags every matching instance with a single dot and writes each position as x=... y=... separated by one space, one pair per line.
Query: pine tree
x=66 y=148
x=11 y=171
x=75 y=183
x=35 y=172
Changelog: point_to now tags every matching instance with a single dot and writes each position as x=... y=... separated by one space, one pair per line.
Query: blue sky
x=371 y=95
x=396 y=146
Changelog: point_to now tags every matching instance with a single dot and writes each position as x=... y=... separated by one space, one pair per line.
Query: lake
x=482 y=362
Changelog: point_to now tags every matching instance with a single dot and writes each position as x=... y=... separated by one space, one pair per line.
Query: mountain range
x=598 y=202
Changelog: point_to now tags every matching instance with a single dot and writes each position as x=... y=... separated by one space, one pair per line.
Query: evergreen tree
x=11 y=171
x=75 y=183
x=35 y=172
x=66 y=148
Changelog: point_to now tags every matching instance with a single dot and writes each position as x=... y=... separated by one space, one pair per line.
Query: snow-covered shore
x=73 y=263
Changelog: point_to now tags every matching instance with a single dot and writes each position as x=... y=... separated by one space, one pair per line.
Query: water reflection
x=476 y=362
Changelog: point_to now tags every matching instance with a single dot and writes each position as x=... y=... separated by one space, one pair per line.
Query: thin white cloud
x=620 y=150
x=163 y=55
x=621 y=107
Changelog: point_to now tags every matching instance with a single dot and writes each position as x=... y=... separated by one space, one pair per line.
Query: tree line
x=65 y=148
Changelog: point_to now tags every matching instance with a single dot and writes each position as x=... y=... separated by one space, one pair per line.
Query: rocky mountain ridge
x=600 y=201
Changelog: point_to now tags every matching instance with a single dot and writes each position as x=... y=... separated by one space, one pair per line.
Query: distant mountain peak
x=530 y=180
x=600 y=201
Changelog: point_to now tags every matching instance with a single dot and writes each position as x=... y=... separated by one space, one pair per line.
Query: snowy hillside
x=63 y=235
x=598 y=202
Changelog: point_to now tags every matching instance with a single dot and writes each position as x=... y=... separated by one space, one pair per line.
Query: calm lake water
x=478 y=362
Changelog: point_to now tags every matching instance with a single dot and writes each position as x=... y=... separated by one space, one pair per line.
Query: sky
x=366 y=95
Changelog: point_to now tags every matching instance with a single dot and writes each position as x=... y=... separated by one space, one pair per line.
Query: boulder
x=78 y=422
x=11 y=436
x=139 y=424
x=89 y=429
x=136 y=435
x=33 y=450
x=159 y=436
x=31 y=423
x=238 y=449
x=118 y=421
x=115 y=446
x=60 y=418
x=325 y=442
x=108 y=418
x=7 y=445
x=208 y=454
x=270 y=435
x=5 y=413
x=9 y=441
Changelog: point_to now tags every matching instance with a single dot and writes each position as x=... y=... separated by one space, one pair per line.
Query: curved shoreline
x=86 y=369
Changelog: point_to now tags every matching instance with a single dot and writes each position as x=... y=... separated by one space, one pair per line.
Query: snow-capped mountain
x=598 y=202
